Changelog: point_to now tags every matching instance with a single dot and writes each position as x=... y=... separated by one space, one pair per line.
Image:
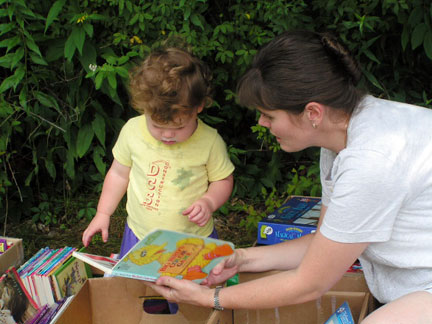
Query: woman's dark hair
x=299 y=67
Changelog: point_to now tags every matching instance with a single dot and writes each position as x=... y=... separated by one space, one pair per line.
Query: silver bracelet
x=217 y=305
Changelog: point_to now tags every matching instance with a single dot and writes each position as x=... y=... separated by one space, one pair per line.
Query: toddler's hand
x=100 y=223
x=199 y=212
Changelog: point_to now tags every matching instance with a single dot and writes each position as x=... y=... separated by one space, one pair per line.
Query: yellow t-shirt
x=166 y=179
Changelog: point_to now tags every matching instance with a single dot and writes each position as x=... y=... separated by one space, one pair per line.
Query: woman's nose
x=263 y=122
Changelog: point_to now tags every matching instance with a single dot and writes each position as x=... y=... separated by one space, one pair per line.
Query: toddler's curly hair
x=169 y=83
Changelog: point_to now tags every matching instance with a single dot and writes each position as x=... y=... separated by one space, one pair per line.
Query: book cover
x=167 y=253
x=70 y=277
x=297 y=217
x=17 y=304
x=3 y=245
x=341 y=316
x=48 y=271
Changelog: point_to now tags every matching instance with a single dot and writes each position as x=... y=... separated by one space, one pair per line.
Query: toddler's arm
x=217 y=194
x=113 y=190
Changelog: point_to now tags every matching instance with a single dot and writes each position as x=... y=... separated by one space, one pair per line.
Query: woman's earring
x=314 y=125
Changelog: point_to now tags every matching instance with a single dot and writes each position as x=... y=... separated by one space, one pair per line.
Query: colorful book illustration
x=165 y=253
x=297 y=217
x=69 y=278
x=341 y=316
x=17 y=304
x=45 y=274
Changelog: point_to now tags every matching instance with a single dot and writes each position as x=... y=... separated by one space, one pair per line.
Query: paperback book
x=165 y=253
x=341 y=316
x=17 y=306
x=52 y=274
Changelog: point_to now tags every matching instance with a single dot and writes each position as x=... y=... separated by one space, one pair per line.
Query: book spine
x=18 y=279
x=133 y=276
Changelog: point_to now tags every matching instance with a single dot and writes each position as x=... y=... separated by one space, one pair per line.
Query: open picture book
x=165 y=253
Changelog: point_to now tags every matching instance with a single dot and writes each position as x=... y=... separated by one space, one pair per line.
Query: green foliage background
x=64 y=68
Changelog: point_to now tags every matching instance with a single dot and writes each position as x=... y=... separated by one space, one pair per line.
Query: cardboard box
x=298 y=216
x=313 y=312
x=14 y=256
x=120 y=300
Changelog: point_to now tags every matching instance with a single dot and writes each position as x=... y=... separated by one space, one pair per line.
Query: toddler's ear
x=200 y=108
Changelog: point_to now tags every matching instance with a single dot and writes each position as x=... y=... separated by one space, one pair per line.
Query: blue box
x=298 y=216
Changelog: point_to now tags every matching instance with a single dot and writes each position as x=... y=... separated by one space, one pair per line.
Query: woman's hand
x=183 y=291
x=225 y=269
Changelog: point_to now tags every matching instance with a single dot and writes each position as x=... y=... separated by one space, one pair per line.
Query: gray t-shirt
x=379 y=190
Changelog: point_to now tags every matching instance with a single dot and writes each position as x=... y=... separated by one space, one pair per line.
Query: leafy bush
x=64 y=68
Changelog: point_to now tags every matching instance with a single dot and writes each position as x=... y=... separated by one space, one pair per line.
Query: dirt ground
x=37 y=236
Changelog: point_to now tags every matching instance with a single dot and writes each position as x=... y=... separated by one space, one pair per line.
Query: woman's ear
x=314 y=112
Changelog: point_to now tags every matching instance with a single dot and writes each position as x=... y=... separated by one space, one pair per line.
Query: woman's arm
x=316 y=264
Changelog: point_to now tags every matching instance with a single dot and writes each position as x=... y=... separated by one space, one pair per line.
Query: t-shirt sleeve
x=367 y=193
x=219 y=165
x=121 y=150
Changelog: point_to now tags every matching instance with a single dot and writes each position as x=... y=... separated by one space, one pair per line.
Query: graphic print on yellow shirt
x=166 y=179
x=156 y=174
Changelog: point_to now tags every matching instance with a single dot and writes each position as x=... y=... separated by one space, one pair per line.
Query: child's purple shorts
x=129 y=240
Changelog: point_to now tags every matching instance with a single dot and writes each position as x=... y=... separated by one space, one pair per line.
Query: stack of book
x=53 y=274
x=41 y=288
x=19 y=307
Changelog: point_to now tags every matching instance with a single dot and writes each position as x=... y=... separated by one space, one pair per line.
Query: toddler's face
x=176 y=132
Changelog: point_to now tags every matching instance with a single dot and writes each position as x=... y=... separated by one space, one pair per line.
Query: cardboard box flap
x=113 y=300
x=14 y=256
x=351 y=288
x=316 y=311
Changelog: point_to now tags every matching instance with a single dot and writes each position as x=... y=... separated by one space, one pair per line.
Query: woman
x=376 y=174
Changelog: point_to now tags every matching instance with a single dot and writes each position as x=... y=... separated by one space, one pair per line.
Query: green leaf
x=30 y=43
x=99 y=79
x=372 y=79
x=19 y=54
x=5 y=28
x=69 y=166
x=10 y=42
x=418 y=35
x=46 y=100
x=53 y=13
x=13 y=80
x=427 y=44
x=23 y=97
x=88 y=29
x=98 y=153
x=37 y=60
x=89 y=56
x=122 y=72
x=112 y=80
x=371 y=56
x=416 y=16
x=98 y=125
x=49 y=165
x=196 y=21
x=78 y=37
x=84 y=139
x=6 y=61
x=123 y=59
x=69 y=48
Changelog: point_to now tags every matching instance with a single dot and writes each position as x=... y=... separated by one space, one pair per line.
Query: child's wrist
x=210 y=203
